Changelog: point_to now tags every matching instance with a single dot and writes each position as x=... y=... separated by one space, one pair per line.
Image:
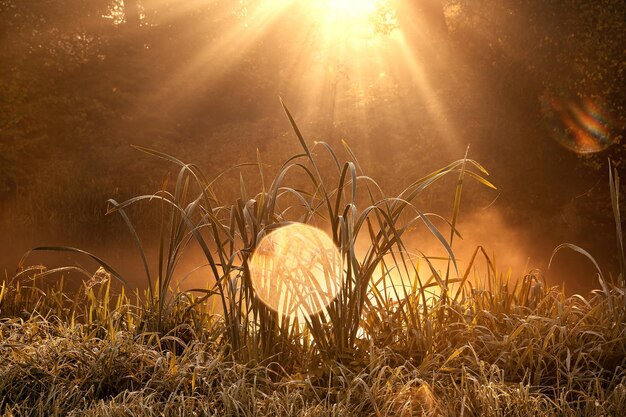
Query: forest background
x=82 y=80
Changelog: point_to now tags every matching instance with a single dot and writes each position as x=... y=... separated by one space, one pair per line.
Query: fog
x=535 y=91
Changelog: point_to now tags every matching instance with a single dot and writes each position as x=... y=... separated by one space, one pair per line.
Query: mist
x=536 y=96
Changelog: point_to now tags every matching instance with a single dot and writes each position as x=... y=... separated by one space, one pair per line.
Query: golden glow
x=352 y=9
x=339 y=19
x=579 y=125
x=296 y=270
x=334 y=61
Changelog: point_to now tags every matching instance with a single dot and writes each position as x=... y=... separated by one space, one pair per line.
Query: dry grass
x=481 y=347
x=564 y=358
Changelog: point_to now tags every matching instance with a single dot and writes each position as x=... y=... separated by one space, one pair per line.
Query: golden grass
x=564 y=358
x=477 y=348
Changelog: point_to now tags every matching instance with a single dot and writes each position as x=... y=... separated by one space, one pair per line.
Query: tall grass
x=228 y=234
x=394 y=341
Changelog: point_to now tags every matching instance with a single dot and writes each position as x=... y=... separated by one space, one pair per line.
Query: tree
x=570 y=51
x=131 y=13
x=423 y=17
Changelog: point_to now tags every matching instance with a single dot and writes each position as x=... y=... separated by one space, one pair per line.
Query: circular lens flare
x=581 y=126
x=296 y=270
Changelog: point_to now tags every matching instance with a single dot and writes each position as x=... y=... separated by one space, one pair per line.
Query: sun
x=352 y=9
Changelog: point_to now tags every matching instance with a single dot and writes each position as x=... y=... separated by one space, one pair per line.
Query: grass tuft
x=394 y=342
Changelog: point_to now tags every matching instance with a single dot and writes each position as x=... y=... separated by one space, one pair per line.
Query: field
x=395 y=341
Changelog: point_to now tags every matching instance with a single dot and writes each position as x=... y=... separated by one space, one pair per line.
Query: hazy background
x=534 y=87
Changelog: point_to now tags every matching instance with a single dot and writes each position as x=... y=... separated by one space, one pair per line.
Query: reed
x=394 y=341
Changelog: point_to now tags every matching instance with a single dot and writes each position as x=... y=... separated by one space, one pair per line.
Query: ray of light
x=337 y=70
x=214 y=61
x=430 y=101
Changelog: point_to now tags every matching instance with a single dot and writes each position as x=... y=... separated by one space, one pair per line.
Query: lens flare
x=581 y=126
x=296 y=270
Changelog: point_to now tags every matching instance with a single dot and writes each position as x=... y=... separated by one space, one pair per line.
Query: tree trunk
x=131 y=13
x=425 y=16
